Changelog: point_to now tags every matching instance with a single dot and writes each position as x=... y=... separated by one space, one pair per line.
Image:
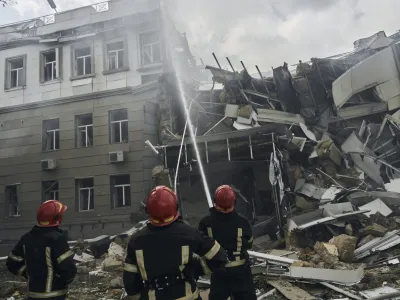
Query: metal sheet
x=376 y=206
x=345 y=277
x=379 y=291
x=312 y=191
x=366 y=164
x=272 y=258
x=362 y=198
x=276 y=116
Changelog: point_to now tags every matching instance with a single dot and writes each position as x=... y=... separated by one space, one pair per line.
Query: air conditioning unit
x=116 y=157
x=48 y=164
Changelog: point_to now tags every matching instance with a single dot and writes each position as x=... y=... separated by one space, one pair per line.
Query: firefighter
x=234 y=234
x=160 y=257
x=43 y=256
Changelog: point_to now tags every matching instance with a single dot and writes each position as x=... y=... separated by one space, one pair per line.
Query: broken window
x=119 y=126
x=50 y=190
x=115 y=55
x=51 y=135
x=50 y=65
x=85 y=194
x=83 y=61
x=84 y=130
x=15 y=72
x=150 y=48
x=12 y=200
x=120 y=191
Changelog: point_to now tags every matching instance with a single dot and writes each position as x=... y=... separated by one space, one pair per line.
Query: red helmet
x=224 y=199
x=50 y=213
x=162 y=206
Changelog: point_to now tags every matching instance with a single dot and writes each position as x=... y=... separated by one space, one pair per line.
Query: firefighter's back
x=163 y=256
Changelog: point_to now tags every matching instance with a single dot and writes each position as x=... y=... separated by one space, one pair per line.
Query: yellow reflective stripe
x=21 y=270
x=214 y=250
x=140 y=261
x=47 y=295
x=49 y=281
x=130 y=268
x=250 y=240
x=239 y=239
x=64 y=256
x=152 y=295
x=209 y=232
x=185 y=255
x=205 y=267
x=15 y=258
x=235 y=263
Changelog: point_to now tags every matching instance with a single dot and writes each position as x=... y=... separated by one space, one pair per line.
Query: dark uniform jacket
x=234 y=233
x=160 y=264
x=43 y=257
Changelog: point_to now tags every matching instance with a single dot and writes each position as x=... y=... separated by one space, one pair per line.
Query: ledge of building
x=76 y=98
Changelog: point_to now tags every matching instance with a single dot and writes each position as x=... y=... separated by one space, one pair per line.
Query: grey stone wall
x=21 y=153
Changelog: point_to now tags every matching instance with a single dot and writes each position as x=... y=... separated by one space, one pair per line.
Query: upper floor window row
x=115 y=58
x=117 y=129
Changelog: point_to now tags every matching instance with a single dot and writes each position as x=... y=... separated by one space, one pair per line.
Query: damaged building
x=78 y=103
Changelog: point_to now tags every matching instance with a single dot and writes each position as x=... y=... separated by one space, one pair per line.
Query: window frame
x=141 y=53
x=58 y=61
x=7 y=201
x=45 y=131
x=79 y=189
x=106 y=61
x=113 y=194
x=110 y=127
x=74 y=65
x=7 y=70
x=45 y=192
x=77 y=132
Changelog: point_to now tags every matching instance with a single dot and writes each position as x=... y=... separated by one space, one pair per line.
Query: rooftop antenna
x=53 y=5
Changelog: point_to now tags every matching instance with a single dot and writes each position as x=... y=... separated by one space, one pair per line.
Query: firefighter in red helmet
x=43 y=256
x=234 y=233
x=159 y=262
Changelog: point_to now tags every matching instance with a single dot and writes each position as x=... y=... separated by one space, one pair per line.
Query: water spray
x=176 y=67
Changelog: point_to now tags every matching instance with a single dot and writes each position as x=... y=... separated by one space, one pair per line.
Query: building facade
x=78 y=103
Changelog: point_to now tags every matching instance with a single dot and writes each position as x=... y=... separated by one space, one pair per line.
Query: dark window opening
x=85 y=194
x=120 y=191
x=51 y=135
x=119 y=126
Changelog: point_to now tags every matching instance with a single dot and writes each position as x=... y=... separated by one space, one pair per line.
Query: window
x=118 y=126
x=15 y=72
x=120 y=191
x=85 y=194
x=84 y=131
x=51 y=135
x=115 y=55
x=50 y=64
x=12 y=200
x=150 y=48
x=150 y=78
x=50 y=190
x=83 y=60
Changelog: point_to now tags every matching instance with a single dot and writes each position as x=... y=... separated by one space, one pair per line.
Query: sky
x=263 y=32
